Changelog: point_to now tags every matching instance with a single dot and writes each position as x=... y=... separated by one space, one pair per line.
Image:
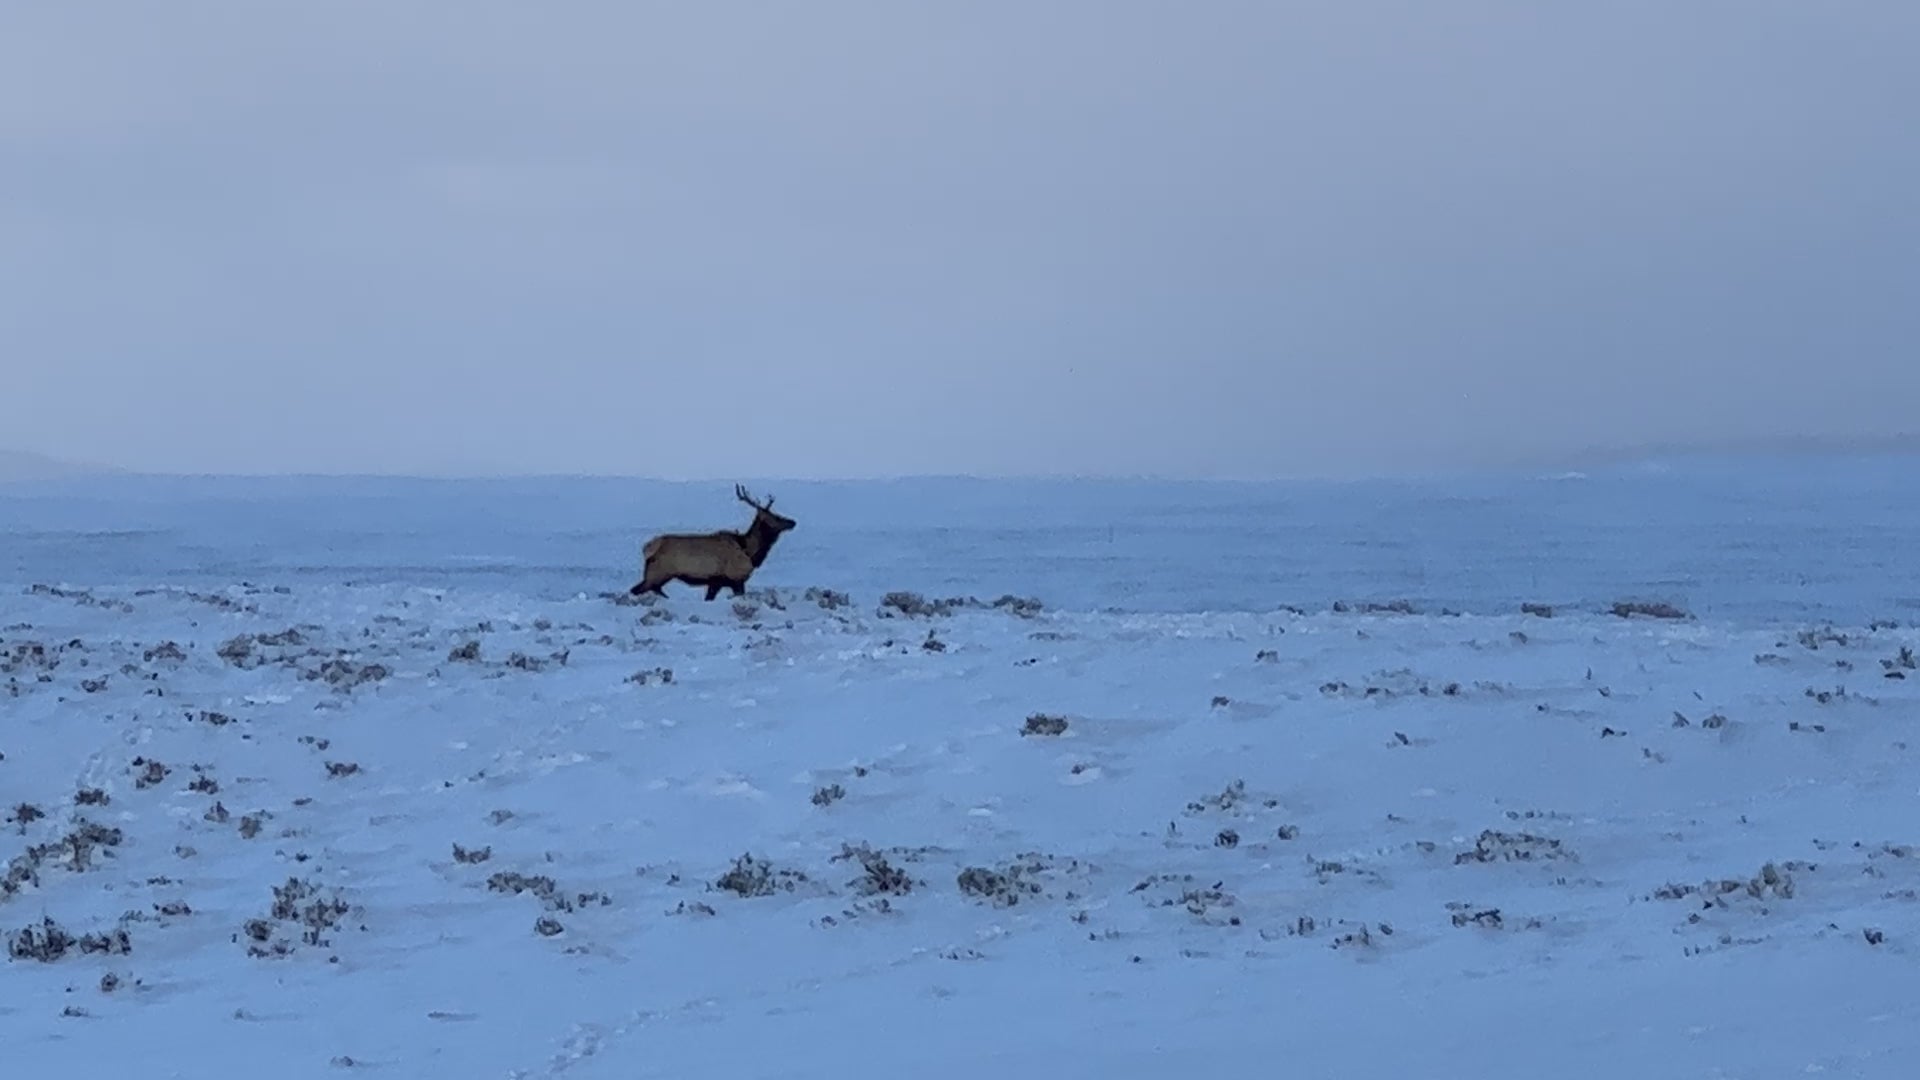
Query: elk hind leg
x=650 y=584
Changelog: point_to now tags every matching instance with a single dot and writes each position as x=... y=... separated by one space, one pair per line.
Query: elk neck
x=758 y=540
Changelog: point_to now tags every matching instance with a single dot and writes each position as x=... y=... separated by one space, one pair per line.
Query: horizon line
x=1575 y=460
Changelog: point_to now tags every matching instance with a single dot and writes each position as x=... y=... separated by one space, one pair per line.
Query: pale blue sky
x=712 y=240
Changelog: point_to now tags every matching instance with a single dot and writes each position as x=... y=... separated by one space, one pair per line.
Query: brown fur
x=715 y=560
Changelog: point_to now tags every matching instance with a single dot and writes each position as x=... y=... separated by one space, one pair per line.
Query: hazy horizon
x=29 y=466
x=868 y=240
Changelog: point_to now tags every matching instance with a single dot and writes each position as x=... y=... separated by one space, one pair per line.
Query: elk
x=717 y=560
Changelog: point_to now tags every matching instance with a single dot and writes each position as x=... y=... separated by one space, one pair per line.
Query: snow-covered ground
x=321 y=778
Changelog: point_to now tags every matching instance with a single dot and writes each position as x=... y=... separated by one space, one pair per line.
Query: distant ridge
x=1775 y=446
x=19 y=466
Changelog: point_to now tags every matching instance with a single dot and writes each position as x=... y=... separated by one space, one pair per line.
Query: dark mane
x=758 y=540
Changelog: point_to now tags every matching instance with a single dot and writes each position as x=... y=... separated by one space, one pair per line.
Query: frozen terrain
x=329 y=778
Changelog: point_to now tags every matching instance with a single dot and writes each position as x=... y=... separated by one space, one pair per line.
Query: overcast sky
x=710 y=240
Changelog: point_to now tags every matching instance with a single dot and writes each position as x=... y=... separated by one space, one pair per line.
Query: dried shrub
x=880 y=876
x=828 y=599
x=751 y=877
x=1025 y=607
x=1043 y=724
x=345 y=675
x=48 y=942
x=1369 y=607
x=1495 y=846
x=912 y=604
x=1629 y=609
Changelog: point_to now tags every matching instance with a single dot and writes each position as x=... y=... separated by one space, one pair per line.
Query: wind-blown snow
x=523 y=827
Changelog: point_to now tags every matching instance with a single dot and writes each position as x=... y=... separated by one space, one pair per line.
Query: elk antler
x=740 y=492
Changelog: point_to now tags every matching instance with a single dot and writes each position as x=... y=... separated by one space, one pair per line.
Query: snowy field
x=311 y=778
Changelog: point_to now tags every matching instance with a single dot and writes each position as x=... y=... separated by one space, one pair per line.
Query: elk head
x=763 y=516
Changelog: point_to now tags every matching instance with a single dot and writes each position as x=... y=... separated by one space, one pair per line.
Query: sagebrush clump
x=1044 y=724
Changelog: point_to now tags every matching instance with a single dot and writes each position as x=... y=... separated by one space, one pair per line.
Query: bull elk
x=717 y=560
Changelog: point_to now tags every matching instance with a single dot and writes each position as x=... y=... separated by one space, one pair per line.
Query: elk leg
x=739 y=587
x=713 y=589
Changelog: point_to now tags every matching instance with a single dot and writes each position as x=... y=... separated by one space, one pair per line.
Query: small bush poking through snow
x=1002 y=889
x=468 y=653
x=344 y=675
x=913 y=604
x=1007 y=885
x=1390 y=607
x=828 y=599
x=300 y=903
x=46 y=943
x=74 y=850
x=166 y=650
x=829 y=795
x=1230 y=799
x=1902 y=663
x=1468 y=915
x=1628 y=609
x=49 y=942
x=1024 y=606
x=1044 y=724
x=540 y=885
x=751 y=877
x=148 y=773
x=239 y=652
x=520 y=661
x=881 y=877
x=1495 y=846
